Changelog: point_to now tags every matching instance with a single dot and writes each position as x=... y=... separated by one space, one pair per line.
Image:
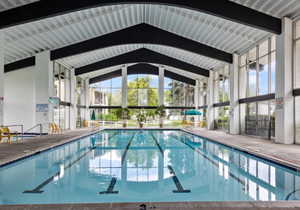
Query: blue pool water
x=145 y=166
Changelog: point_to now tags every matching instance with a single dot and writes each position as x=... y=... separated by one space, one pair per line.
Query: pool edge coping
x=284 y=163
x=41 y=150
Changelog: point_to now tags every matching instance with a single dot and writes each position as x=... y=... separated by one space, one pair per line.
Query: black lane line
x=180 y=189
x=110 y=189
x=38 y=189
x=157 y=144
x=126 y=149
x=211 y=161
x=290 y=195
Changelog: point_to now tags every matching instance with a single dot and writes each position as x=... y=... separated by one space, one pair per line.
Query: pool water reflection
x=145 y=166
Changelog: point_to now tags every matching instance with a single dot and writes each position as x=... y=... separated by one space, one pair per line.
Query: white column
x=196 y=99
x=161 y=85
x=234 y=96
x=124 y=87
x=210 y=102
x=73 y=111
x=44 y=88
x=87 y=98
x=284 y=125
x=1 y=78
x=197 y=87
x=201 y=97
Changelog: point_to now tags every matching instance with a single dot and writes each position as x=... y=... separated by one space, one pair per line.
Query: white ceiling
x=52 y=33
x=118 y=67
x=102 y=54
x=9 y=4
x=277 y=8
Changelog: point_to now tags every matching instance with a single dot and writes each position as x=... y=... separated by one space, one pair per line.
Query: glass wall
x=259 y=119
x=142 y=90
x=221 y=95
x=142 y=95
x=257 y=70
x=80 y=101
x=221 y=85
x=257 y=78
x=178 y=94
x=62 y=88
x=297 y=79
x=107 y=93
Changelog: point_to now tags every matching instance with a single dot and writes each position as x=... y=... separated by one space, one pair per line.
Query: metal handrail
x=17 y=125
x=37 y=125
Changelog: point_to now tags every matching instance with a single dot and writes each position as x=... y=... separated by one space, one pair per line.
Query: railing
x=34 y=127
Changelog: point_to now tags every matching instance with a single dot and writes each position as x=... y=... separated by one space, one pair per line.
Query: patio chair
x=6 y=133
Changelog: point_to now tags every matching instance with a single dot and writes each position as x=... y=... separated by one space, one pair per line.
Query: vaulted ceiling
x=26 y=40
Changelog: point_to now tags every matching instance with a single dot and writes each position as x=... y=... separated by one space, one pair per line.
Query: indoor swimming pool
x=145 y=166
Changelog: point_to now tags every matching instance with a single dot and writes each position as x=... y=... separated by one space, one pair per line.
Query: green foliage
x=160 y=111
x=139 y=84
x=141 y=117
x=123 y=113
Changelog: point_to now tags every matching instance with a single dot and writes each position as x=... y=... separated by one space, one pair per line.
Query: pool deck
x=285 y=154
x=288 y=155
x=15 y=151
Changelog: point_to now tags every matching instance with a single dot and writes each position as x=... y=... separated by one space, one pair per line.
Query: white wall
x=19 y=98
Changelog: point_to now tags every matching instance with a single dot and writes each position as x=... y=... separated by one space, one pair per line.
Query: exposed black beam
x=142 y=68
x=296 y=92
x=141 y=34
x=141 y=107
x=227 y=103
x=142 y=56
x=220 y=8
x=19 y=64
x=104 y=77
x=257 y=99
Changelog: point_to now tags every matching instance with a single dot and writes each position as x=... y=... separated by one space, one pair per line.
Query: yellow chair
x=5 y=133
x=54 y=128
x=85 y=124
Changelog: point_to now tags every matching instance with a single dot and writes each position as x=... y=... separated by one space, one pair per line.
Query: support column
x=234 y=127
x=201 y=98
x=196 y=99
x=87 y=99
x=44 y=88
x=73 y=111
x=284 y=125
x=124 y=87
x=197 y=94
x=210 y=102
x=1 y=78
x=161 y=85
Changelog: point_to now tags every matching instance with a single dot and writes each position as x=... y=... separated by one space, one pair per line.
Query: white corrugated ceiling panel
x=276 y=8
x=9 y=4
x=98 y=55
x=52 y=33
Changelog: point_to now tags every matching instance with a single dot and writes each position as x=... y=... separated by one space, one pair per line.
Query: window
x=142 y=90
x=62 y=88
x=178 y=94
x=297 y=79
x=107 y=93
x=221 y=85
x=257 y=70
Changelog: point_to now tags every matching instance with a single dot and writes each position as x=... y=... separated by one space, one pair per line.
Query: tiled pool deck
x=285 y=154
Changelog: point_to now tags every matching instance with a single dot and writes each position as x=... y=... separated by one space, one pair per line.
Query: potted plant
x=123 y=114
x=161 y=113
x=141 y=118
